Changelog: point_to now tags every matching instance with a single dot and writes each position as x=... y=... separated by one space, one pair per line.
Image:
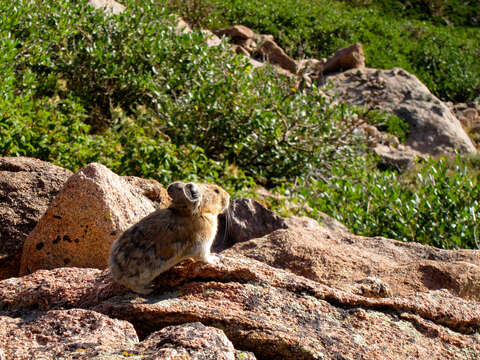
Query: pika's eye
x=217 y=191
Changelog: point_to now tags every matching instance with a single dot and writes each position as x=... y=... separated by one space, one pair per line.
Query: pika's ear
x=184 y=193
x=192 y=192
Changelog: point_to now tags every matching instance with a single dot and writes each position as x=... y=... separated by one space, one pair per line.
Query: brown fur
x=167 y=236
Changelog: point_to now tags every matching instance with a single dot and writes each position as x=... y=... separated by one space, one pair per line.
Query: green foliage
x=156 y=104
x=445 y=58
x=259 y=122
x=78 y=86
x=441 y=12
x=438 y=205
x=386 y=122
x=53 y=130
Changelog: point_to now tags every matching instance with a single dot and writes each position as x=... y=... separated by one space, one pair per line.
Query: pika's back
x=162 y=239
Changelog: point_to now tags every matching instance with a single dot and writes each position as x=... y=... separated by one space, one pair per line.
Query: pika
x=186 y=229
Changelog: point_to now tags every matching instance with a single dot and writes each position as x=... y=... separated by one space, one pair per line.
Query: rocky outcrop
x=340 y=259
x=259 y=48
x=269 y=51
x=281 y=289
x=274 y=313
x=236 y=32
x=263 y=49
x=27 y=186
x=94 y=207
x=433 y=127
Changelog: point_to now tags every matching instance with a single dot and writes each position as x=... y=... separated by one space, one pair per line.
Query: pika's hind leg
x=137 y=284
x=144 y=290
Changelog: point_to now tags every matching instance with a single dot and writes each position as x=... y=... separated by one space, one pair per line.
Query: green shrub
x=187 y=101
x=54 y=131
x=438 y=206
x=78 y=86
x=445 y=58
x=441 y=12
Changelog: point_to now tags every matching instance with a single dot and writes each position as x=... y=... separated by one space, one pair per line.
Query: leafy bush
x=78 y=86
x=187 y=102
x=445 y=58
x=441 y=12
x=438 y=205
x=64 y=66
x=54 y=131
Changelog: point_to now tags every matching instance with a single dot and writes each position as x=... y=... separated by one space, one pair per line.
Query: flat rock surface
x=341 y=259
x=433 y=127
x=27 y=186
x=272 y=313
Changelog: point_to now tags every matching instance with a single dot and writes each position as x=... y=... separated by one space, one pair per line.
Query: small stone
x=274 y=54
x=351 y=57
x=111 y=7
x=236 y=31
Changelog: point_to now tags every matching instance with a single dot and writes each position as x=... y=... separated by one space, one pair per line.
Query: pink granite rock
x=27 y=186
x=94 y=207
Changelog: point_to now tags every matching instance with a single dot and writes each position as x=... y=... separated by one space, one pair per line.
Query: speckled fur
x=167 y=236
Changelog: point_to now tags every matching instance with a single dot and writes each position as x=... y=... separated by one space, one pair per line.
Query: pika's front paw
x=211 y=259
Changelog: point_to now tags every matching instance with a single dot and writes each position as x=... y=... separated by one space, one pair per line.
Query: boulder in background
x=27 y=186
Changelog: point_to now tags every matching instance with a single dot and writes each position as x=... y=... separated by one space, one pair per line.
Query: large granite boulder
x=434 y=129
x=27 y=186
x=94 y=207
